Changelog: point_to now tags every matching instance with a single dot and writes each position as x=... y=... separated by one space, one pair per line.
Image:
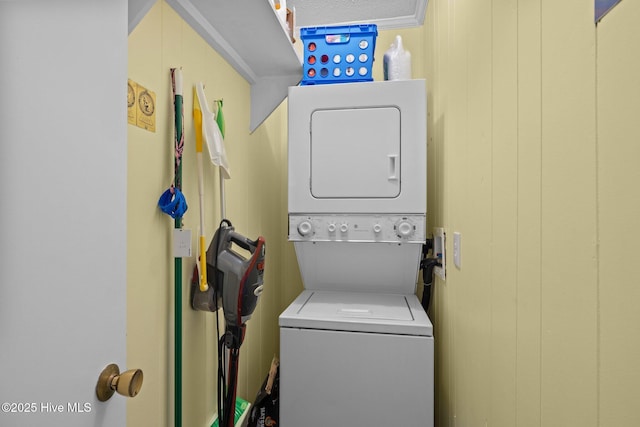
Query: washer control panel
x=357 y=228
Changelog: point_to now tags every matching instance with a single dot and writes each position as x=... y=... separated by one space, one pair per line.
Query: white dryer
x=356 y=347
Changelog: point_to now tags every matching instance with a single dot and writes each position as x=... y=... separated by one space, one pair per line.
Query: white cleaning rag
x=212 y=134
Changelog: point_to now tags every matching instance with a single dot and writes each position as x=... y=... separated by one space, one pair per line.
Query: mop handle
x=203 y=250
x=197 y=122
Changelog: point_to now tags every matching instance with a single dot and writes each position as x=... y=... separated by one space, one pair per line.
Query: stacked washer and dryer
x=356 y=346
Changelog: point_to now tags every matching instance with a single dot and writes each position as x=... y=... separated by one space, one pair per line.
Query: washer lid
x=358 y=312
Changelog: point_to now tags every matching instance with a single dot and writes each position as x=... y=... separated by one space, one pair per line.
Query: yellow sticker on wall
x=141 y=106
x=146 y=109
x=131 y=102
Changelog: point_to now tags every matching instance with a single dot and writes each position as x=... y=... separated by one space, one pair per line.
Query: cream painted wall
x=618 y=108
x=256 y=204
x=532 y=157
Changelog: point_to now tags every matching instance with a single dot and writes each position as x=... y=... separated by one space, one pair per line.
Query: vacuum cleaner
x=235 y=283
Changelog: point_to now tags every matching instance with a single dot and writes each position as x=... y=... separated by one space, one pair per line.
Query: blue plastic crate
x=338 y=54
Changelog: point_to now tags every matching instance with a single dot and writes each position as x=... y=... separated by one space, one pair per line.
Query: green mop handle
x=176 y=83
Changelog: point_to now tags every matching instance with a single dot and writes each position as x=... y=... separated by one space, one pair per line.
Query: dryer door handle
x=393 y=167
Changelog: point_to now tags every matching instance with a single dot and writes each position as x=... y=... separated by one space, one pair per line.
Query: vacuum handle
x=243 y=242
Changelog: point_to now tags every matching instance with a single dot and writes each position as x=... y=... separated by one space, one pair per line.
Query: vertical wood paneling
x=618 y=213
x=541 y=320
x=504 y=210
x=568 y=213
x=455 y=176
x=529 y=169
x=436 y=61
x=474 y=211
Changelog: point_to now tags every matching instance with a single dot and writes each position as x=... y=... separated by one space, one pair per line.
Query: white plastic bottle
x=397 y=62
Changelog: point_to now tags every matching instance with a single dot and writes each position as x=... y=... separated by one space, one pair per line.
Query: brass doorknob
x=111 y=380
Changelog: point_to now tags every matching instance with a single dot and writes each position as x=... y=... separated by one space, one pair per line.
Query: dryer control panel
x=387 y=228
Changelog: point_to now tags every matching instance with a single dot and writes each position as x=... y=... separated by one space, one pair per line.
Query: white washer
x=353 y=359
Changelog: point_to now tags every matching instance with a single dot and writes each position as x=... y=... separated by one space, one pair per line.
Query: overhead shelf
x=248 y=34
x=385 y=14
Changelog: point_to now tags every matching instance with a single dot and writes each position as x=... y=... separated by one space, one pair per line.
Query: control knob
x=404 y=228
x=344 y=227
x=377 y=228
x=305 y=228
x=331 y=227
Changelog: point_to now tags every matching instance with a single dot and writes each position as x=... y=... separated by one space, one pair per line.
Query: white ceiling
x=385 y=14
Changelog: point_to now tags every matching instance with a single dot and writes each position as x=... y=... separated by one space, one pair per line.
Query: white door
x=63 y=69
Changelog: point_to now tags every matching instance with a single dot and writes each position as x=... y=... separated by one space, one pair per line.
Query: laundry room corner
x=255 y=202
